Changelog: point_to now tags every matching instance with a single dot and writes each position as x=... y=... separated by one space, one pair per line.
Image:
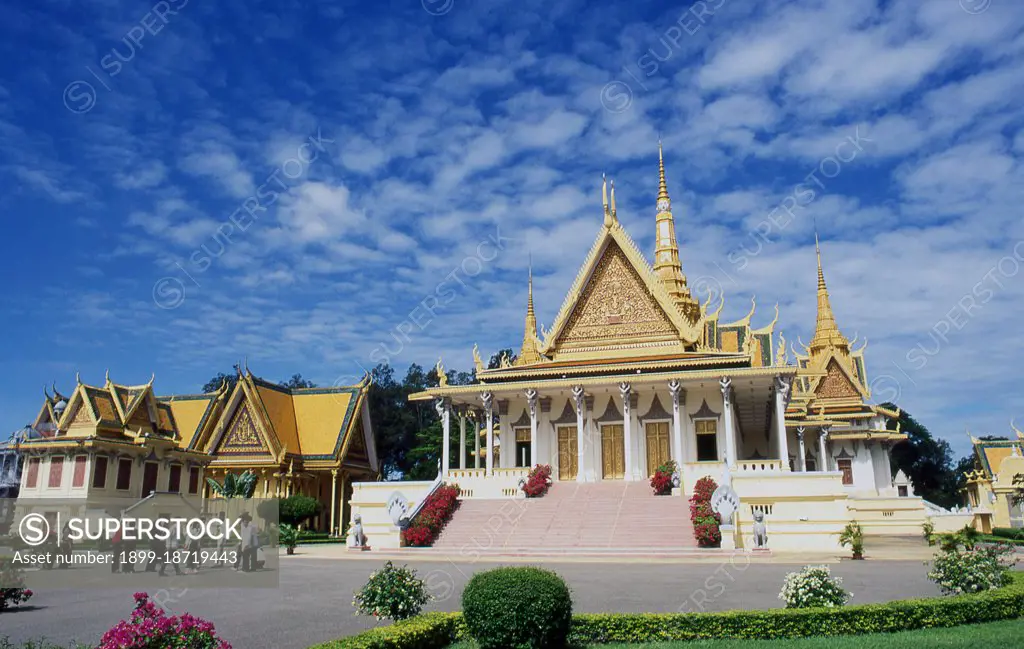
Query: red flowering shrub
x=704 y=489
x=661 y=481
x=538 y=481
x=435 y=514
x=150 y=628
x=12 y=576
x=705 y=521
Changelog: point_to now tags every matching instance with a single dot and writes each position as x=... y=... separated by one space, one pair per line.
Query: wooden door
x=613 y=452
x=657 y=445
x=568 y=450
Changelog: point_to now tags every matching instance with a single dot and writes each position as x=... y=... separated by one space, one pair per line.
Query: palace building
x=108 y=447
x=637 y=370
x=990 y=488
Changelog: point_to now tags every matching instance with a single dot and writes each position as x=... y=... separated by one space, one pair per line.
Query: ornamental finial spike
x=662 y=185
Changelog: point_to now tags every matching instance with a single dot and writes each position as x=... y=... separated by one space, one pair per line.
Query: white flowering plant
x=392 y=593
x=972 y=569
x=813 y=587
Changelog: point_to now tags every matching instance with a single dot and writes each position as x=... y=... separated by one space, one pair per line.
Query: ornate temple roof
x=257 y=422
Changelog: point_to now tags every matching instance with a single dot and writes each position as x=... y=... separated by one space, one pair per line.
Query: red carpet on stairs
x=584 y=516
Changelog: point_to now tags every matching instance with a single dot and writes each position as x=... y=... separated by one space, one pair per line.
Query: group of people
x=177 y=553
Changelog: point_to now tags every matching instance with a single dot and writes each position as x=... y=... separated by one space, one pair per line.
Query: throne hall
x=636 y=370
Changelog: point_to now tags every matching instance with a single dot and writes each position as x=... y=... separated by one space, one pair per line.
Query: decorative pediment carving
x=241 y=434
x=836 y=383
x=615 y=305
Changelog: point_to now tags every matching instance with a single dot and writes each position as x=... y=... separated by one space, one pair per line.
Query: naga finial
x=442 y=376
x=781 y=354
x=477 y=361
x=1020 y=435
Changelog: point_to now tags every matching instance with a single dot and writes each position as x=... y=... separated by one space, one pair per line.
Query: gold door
x=657 y=445
x=613 y=452
x=567 y=453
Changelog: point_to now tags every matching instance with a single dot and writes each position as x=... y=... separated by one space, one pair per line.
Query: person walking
x=168 y=556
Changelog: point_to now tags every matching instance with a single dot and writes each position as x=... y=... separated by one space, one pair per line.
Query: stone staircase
x=591 y=518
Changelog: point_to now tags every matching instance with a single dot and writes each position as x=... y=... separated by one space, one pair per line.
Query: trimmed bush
x=438 y=630
x=813 y=587
x=517 y=608
x=427 y=631
x=392 y=593
x=1014 y=533
x=297 y=509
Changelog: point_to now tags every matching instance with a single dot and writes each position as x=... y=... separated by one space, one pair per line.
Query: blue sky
x=187 y=184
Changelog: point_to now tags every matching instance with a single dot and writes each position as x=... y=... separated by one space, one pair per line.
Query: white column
x=801 y=459
x=730 y=437
x=579 y=399
x=531 y=401
x=488 y=400
x=334 y=500
x=822 y=437
x=476 y=443
x=627 y=437
x=781 y=393
x=462 y=439
x=678 y=396
x=444 y=409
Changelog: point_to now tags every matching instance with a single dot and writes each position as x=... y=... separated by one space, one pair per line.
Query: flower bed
x=438 y=630
x=705 y=521
x=435 y=514
x=538 y=481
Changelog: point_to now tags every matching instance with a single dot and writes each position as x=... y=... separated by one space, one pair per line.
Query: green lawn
x=975 y=636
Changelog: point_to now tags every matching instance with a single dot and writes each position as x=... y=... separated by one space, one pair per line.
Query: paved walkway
x=314 y=601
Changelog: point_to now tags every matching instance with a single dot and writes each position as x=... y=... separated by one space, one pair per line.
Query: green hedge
x=427 y=631
x=1016 y=533
x=438 y=630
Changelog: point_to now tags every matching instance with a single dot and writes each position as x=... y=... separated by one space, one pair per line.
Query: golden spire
x=528 y=353
x=826 y=331
x=666 y=249
x=662 y=186
x=615 y=212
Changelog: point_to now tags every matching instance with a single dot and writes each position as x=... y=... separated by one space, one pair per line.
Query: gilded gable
x=835 y=384
x=615 y=306
x=241 y=435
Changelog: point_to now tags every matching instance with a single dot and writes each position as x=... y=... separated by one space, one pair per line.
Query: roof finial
x=662 y=186
x=826 y=331
x=106 y=376
x=47 y=394
x=604 y=192
x=78 y=378
x=615 y=213
x=529 y=352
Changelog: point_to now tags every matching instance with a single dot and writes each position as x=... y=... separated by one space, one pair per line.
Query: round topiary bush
x=517 y=608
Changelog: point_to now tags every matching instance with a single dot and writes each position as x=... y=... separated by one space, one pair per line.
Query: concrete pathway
x=314 y=601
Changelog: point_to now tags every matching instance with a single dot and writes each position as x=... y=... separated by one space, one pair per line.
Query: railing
x=760 y=466
x=462 y=474
x=406 y=520
x=765 y=509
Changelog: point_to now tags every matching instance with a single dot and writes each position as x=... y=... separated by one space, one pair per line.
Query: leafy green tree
x=928 y=462
x=297 y=382
x=297 y=509
x=214 y=384
x=495 y=361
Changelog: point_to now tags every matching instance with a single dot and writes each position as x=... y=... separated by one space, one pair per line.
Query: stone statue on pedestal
x=358 y=536
x=760 y=531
